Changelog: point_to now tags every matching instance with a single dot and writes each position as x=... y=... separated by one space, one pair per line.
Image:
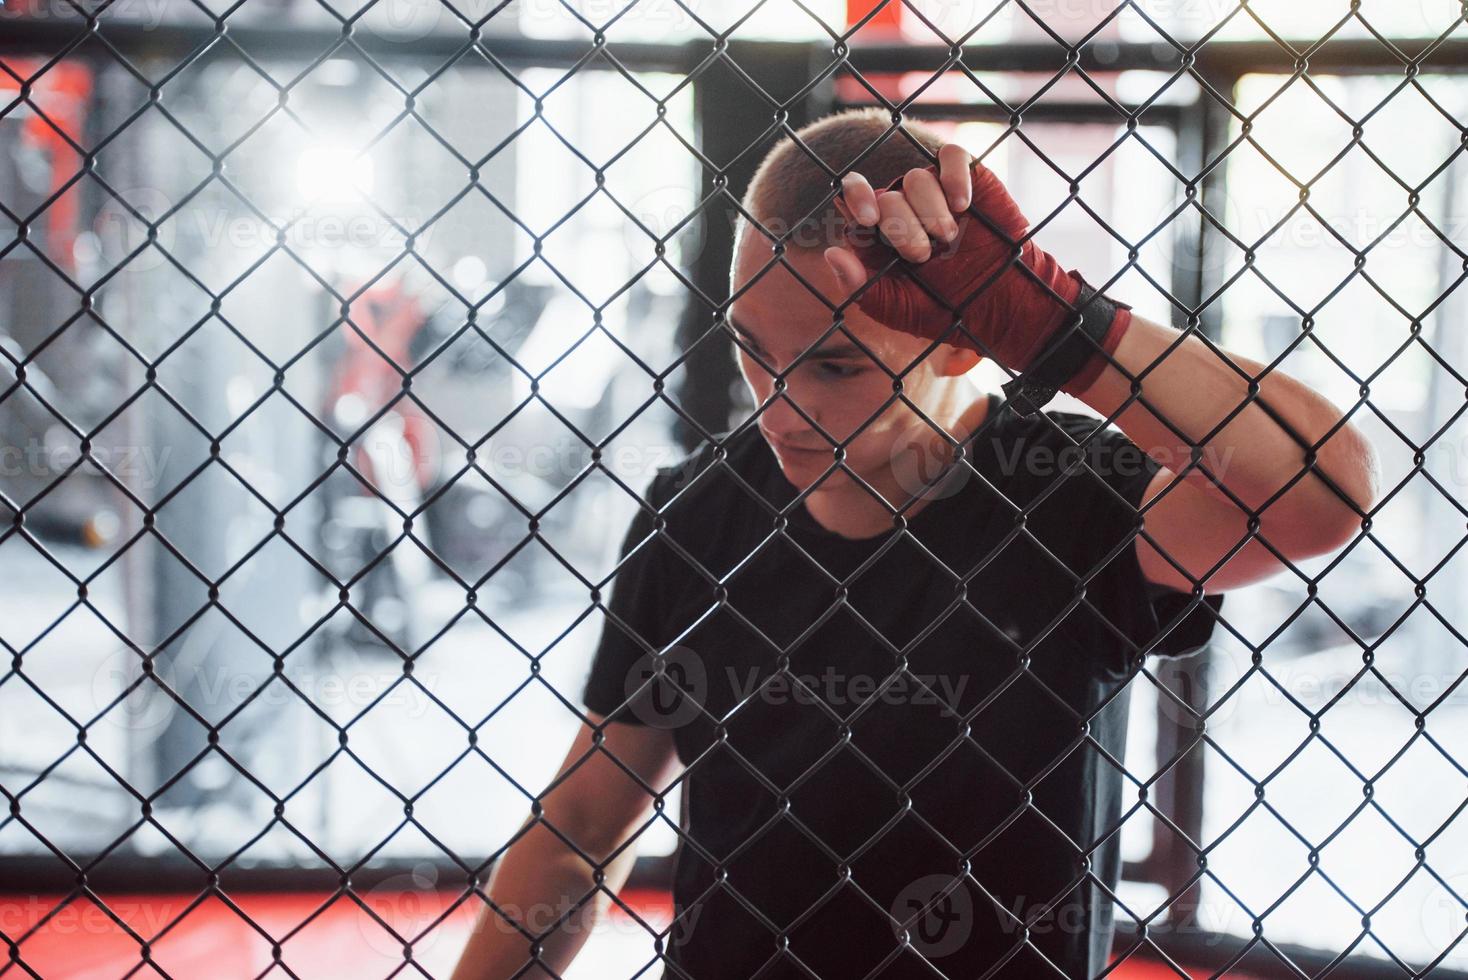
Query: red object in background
x=61 y=95
x=329 y=939
x=886 y=20
x=387 y=316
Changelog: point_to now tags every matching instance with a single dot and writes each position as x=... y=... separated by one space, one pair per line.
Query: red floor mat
x=213 y=941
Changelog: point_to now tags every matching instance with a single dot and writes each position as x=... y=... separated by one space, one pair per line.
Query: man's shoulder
x=708 y=499
x=1058 y=453
x=1098 y=438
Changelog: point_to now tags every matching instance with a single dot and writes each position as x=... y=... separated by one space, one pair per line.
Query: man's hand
x=598 y=799
x=908 y=218
x=950 y=236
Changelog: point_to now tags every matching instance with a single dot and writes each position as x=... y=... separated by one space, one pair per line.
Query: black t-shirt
x=963 y=700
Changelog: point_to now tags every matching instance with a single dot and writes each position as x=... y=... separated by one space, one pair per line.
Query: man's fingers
x=901 y=227
x=926 y=198
x=851 y=275
x=954 y=172
x=861 y=200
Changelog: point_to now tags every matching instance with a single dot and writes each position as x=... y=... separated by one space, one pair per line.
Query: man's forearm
x=1253 y=455
x=536 y=882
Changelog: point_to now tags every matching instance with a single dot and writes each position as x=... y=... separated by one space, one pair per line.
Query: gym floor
x=342 y=939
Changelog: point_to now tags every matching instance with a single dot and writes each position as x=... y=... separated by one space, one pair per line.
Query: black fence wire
x=340 y=347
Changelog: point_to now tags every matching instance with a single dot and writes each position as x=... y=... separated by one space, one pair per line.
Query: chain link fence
x=342 y=345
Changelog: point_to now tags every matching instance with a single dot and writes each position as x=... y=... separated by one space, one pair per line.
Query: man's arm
x=539 y=878
x=1254 y=456
x=957 y=264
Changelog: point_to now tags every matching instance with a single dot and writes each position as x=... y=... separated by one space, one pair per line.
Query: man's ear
x=951 y=361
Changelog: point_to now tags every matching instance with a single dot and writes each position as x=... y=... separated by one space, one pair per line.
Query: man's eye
x=755 y=354
x=835 y=370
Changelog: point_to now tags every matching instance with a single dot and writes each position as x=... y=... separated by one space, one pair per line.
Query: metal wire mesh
x=363 y=308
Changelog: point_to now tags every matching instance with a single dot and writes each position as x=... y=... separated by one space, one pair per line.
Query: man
x=893 y=692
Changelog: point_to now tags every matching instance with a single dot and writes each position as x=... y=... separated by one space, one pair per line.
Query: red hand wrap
x=1014 y=316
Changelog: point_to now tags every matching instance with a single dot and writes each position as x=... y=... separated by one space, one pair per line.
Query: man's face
x=838 y=386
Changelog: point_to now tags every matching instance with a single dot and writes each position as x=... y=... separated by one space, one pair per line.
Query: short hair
x=789 y=185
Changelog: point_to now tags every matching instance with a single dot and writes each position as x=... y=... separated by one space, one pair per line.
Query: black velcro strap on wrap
x=1066 y=353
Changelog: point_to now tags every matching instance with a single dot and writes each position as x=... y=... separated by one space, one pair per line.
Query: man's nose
x=782 y=421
